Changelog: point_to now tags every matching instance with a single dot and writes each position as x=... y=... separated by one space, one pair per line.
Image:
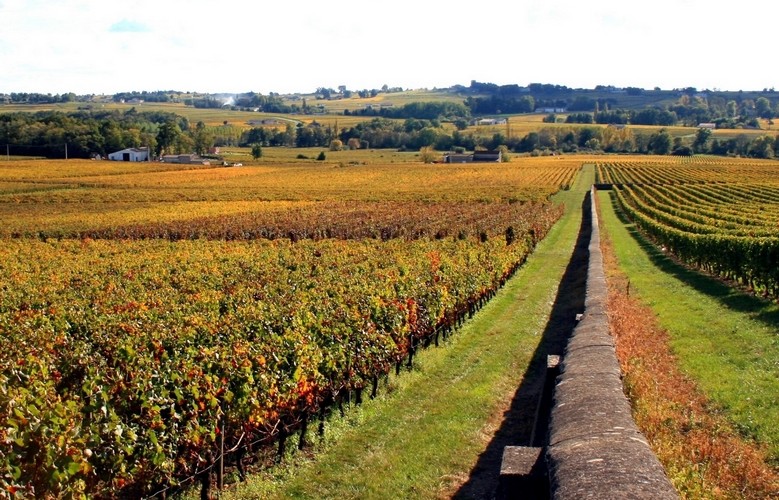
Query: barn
x=186 y=159
x=476 y=157
x=130 y=154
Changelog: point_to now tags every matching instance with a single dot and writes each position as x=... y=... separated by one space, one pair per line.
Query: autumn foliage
x=704 y=456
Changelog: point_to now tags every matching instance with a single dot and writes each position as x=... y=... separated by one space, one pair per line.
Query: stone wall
x=595 y=449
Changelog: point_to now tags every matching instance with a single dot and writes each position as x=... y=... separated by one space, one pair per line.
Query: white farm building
x=130 y=154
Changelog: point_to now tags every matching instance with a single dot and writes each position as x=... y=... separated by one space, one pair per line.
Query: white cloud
x=128 y=26
x=96 y=46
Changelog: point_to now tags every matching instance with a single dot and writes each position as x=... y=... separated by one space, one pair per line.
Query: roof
x=457 y=157
x=134 y=150
x=486 y=155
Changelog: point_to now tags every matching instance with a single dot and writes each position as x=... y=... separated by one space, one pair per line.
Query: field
x=718 y=216
x=696 y=356
x=56 y=197
x=438 y=431
x=152 y=313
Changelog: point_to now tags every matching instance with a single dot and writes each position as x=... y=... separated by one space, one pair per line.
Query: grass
x=396 y=99
x=424 y=437
x=724 y=340
x=703 y=454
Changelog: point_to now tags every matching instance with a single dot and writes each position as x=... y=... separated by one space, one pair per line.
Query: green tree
x=763 y=108
x=732 y=109
x=256 y=151
x=321 y=156
x=112 y=136
x=587 y=133
x=701 y=142
x=202 y=139
x=184 y=144
x=660 y=142
x=547 y=138
x=762 y=147
x=148 y=139
x=167 y=137
x=427 y=136
x=461 y=123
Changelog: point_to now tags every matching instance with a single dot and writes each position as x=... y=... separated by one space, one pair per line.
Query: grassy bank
x=702 y=452
x=426 y=434
x=725 y=340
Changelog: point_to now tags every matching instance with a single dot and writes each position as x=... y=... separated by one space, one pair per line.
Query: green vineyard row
x=719 y=215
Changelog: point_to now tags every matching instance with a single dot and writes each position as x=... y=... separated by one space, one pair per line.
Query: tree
x=504 y=154
x=324 y=92
x=497 y=140
x=732 y=109
x=167 y=137
x=112 y=134
x=287 y=138
x=353 y=143
x=321 y=156
x=427 y=136
x=461 y=123
x=547 y=138
x=660 y=142
x=762 y=147
x=700 y=144
x=763 y=108
x=256 y=151
x=336 y=145
x=428 y=154
x=527 y=143
x=593 y=144
x=183 y=144
x=202 y=139
x=587 y=133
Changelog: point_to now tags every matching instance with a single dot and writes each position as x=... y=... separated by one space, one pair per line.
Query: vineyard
x=154 y=320
x=720 y=215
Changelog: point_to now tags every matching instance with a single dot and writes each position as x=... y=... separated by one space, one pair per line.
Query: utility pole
x=66 y=150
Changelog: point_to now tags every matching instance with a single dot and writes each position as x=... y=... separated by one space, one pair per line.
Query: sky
x=230 y=46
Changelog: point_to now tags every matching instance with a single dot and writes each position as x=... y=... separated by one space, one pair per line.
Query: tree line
x=85 y=133
x=625 y=140
x=412 y=134
x=90 y=133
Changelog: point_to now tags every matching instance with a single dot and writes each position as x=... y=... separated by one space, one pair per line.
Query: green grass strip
x=425 y=435
x=726 y=340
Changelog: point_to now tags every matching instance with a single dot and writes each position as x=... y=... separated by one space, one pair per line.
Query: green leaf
x=73 y=468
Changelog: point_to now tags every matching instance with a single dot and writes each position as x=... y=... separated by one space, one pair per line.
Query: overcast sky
x=107 y=46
